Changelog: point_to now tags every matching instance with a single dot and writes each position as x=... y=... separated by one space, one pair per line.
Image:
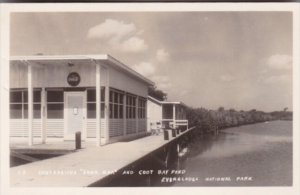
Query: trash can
x=78 y=140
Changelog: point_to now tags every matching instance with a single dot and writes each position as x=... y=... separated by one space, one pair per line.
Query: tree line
x=208 y=120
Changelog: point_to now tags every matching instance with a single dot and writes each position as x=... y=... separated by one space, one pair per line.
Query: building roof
x=163 y=102
x=101 y=59
x=154 y=100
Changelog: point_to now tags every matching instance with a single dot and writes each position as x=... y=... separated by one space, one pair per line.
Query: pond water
x=250 y=155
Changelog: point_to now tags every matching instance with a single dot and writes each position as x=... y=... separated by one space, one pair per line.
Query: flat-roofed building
x=52 y=97
x=166 y=114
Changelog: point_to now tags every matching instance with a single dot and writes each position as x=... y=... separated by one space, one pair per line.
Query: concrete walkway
x=86 y=166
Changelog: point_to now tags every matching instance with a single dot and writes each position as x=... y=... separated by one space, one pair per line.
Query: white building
x=166 y=114
x=96 y=95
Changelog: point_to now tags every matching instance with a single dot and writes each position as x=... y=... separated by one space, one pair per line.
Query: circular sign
x=73 y=79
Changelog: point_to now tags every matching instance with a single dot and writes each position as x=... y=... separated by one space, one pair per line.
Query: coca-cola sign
x=73 y=79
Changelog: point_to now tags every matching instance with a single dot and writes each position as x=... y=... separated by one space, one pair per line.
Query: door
x=75 y=112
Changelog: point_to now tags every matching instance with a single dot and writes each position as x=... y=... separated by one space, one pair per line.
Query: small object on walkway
x=78 y=140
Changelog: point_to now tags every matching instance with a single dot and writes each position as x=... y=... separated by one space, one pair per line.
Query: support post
x=174 y=116
x=124 y=115
x=98 y=105
x=43 y=114
x=106 y=102
x=30 y=105
x=136 y=114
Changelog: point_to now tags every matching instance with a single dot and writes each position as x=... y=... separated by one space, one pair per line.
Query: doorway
x=75 y=114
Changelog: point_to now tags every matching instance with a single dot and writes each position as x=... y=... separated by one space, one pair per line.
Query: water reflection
x=251 y=155
x=262 y=152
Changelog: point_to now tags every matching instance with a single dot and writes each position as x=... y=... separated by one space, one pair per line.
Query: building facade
x=166 y=114
x=52 y=97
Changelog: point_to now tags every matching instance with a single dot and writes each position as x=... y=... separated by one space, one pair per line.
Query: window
x=167 y=111
x=130 y=106
x=142 y=108
x=91 y=102
x=19 y=104
x=116 y=104
x=55 y=104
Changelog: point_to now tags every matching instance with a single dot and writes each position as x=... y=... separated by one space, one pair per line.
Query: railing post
x=173 y=132
x=166 y=134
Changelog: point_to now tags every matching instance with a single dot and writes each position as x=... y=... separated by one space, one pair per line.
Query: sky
x=238 y=60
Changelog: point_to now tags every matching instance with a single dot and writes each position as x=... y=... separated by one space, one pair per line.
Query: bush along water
x=207 y=121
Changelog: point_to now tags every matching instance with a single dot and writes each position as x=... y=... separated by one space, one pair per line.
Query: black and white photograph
x=181 y=98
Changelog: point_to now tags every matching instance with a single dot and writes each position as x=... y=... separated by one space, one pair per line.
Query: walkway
x=86 y=166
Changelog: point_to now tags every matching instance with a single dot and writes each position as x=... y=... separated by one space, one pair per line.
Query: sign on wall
x=73 y=79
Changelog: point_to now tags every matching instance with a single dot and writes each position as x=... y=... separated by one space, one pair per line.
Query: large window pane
x=121 y=96
x=37 y=111
x=25 y=96
x=167 y=111
x=102 y=94
x=110 y=96
x=55 y=96
x=116 y=111
x=55 y=111
x=16 y=96
x=121 y=111
x=91 y=110
x=37 y=96
x=91 y=95
x=116 y=97
x=16 y=111
x=102 y=110
x=133 y=112
x=25 y=110
x=110 y=110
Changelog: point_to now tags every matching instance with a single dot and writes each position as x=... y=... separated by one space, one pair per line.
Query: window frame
x=131 y=107
x=24 y=103
x=93 y=102
x=60 y=103
x=142 y=105
x=116 y=104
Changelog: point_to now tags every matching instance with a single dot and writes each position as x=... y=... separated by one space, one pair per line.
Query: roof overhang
x=154 y=100
x=104 y=59
x=165 y=102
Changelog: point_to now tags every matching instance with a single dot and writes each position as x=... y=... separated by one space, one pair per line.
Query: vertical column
x=43 y=114
x=30 y=106
x=174 y=115
x=124 y=114
x=98 y=105
x=106 y=134
x=136 y=114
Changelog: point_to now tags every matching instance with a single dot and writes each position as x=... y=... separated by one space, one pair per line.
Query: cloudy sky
x=240 y=60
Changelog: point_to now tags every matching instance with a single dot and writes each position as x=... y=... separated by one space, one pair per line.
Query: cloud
x=134 y=44
x=119 y=35
x=162 y=55
x=280 y=61
x=227 y=78
x=145 y=68
x=278 y=78
x=111 y=29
